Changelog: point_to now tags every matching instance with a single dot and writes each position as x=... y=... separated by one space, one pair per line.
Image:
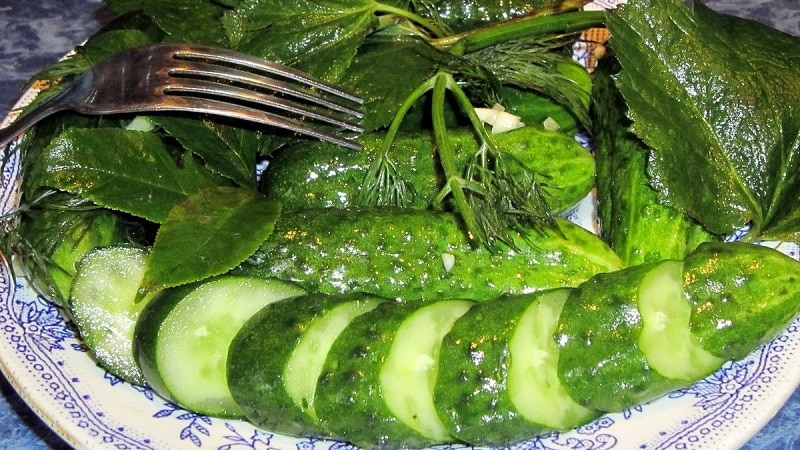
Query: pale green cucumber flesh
x=104 y=307
x=305 y=364
x=666 y=339
x=408 y=375
x=193 y=340
x=533 y=383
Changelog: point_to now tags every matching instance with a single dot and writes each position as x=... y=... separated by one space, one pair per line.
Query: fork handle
x=29 y=119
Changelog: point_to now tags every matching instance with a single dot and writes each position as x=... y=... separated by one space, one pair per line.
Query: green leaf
x=208 y=234
x=716 y=99
x=193 y=21
x=128 y=171
x=320 y=37
x=227 y=150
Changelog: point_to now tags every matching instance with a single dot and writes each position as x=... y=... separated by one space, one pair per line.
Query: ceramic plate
x=89 y=408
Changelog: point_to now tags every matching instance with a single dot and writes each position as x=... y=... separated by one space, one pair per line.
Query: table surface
x=36 y=34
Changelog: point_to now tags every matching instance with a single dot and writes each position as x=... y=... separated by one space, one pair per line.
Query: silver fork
x=206 y=80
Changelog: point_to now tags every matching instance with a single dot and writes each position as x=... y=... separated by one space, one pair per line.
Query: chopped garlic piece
x=449 y=261
x=499 y=119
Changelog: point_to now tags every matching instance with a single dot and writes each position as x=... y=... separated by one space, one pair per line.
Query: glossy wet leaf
x=208 y=234
x=716 y=98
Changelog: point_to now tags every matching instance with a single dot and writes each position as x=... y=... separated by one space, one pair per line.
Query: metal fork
x=206 y=80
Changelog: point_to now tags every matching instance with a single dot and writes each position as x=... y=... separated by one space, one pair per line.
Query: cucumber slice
x=533 y=383
x=666 y=339
x=183 y=338
x=304 y=366
x=276 y=358
x=104 y=307
x=408 y=375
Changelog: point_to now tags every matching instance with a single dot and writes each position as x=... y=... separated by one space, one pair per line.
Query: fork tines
x=220 y=73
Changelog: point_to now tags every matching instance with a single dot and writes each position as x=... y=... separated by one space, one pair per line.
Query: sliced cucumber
x=666 y=339
x=104 y=307
x=183 y=338
x=276 y=358
x=533 y=383
x=408 y=375
x=304 y=366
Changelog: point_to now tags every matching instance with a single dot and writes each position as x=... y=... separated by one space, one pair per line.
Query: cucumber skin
x=348 y=391
x=259 y=353
x=600 y=363
x=144 y=342
x=321 y=175
x=332 y=250
x=471 y=395
x=742 y=295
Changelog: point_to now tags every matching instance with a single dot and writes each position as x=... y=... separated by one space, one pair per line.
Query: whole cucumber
x=412 y=254
x=312 y=175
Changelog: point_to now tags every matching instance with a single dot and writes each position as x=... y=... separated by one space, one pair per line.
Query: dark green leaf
x=716 y=98
x=227 y=150
x=208 y=234
x=193 y=21
x=320 y=37
x=128 y=171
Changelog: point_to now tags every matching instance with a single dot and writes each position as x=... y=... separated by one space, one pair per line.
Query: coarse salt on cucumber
x=408 y=375
x=533 y=383
x=103 y=304
x=666 y=339
x=183 y=337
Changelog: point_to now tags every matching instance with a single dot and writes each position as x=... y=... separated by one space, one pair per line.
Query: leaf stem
x=434 y=29
x=444 y=81
x=521 y=27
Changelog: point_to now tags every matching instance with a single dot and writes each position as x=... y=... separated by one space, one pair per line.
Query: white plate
x=89 y=408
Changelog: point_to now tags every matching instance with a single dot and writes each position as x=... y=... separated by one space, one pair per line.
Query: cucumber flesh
x=304 y=366
x=408 y=376
x=197 y=333
x=666 y=339
x=533 y=383
x=104 y=306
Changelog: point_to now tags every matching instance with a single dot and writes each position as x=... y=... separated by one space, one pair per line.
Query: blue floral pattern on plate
x=47 y=363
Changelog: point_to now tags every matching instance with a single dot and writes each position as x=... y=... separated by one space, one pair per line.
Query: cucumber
x=533 y=384
x=105 y=309
x=408 y=374
x=403 y=253
x=498 y=381
x=192 y=327
x=322 y=175
x=58 y=236
x=616 y=348
x=741 y=295
x=665 y=318
x=354 y=388
x=277 y=392
x=600 y=363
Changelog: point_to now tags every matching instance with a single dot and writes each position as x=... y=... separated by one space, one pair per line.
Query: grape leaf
x=208 y=234
x=124 y=170
x=716 y=98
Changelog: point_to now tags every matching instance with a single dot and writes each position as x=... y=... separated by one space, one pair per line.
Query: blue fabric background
x=34 y=34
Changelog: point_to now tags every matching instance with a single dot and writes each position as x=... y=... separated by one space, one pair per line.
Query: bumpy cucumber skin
x=349 y=390
x=600 y=363
x=741 y=294
x=323 y=175
x=471 y=395
x=259 y=353
x=634 y=222
x=144 y=342
x=397 y=253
